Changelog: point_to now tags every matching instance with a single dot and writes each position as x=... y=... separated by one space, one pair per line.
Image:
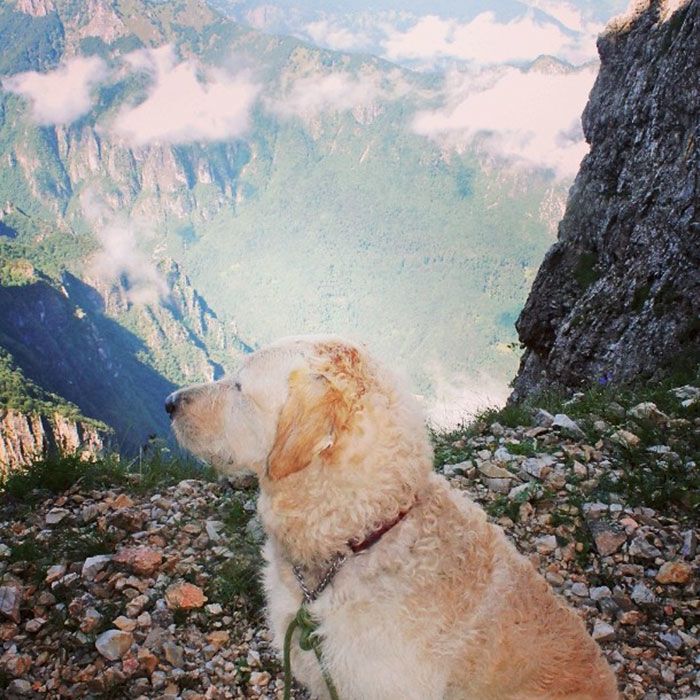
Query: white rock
x=93 y=565
x=56 y=515
x=113 y=644
x=642 y=595
x=546 y=544
x=600 y=592
x=538 y=466
x=566 y=425
x=602 y=631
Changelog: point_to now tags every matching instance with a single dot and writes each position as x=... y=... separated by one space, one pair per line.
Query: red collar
x=375 y=536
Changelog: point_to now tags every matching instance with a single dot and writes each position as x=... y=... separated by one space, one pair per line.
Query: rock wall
x=27 y=437
x=618 y=296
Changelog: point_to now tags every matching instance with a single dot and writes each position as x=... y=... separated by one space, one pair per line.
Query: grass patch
x=510 y=416
x=525 y=447
x=55 y=475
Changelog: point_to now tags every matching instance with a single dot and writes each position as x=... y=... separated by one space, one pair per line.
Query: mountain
x=301 y=199
x=618 y=296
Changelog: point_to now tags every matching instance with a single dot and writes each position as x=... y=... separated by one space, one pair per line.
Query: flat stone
x=184 y=596
x=174 y=654
x=143 y=561
x=625 y=438
x=539 y=466
x=671 y=640
x=10 y=601
x=492 y=471
x=19 y=687
x=93 y=565
x=580 y=589
x=641 y=549
x=55 y=572
x=607 y=537
x=125 y=624
x=113 y=644
x=543 y=418
x=56 y=515
x=690 y=544
x=674 y=572
x=602 y=631
x=497 y=485
x=600 y=592
x=642 y=595
x=546 y=544
x=567 y=426
x=122 y=501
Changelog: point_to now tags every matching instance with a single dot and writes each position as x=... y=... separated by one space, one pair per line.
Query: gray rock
x=113 y=644
x=19 y=687
x=671 y=640
x=641 y=549
x=690 y=544
x=56 y=515
x=10 y=601
x=602 y=631
x=642 y=595
x=600 y=592
x=618 y=295
x=567 y=426
x=538 y=466
x=608 y=537
x=93 y=565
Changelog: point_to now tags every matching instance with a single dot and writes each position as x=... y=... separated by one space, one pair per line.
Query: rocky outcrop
x=618 y=296
x=27 y=437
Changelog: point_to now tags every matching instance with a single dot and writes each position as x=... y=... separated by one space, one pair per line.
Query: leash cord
x=308 y=640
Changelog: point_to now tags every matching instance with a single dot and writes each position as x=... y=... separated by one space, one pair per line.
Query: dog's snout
x=171 y=404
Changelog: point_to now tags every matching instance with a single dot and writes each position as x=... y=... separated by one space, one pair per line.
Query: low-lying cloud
x=186 y=101
x=531 y=118
x=120 y=259
x=62 y=95
x=314 y=94
x=486 y=41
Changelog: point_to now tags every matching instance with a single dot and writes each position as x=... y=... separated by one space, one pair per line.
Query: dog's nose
x=171 y=404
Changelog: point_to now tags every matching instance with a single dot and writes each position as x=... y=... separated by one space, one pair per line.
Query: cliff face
x=618 y=296
x=26 y=437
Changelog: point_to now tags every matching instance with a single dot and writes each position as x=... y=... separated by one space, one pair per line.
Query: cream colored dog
x=438 y=604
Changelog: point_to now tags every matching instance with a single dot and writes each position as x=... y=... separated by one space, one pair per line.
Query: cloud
x=336 y=37
x=186 y=101
x=120 y=259
x=528 y=117
x=314 y=94
x=457 y=398
x=486 y=41
x=62 y=95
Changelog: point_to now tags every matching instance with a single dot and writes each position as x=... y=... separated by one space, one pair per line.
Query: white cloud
x=62 y=95
x=186 y=102
x=120 y=257
x=313 y=94
x=335 y=36
x=484 y=40
x=531 y=118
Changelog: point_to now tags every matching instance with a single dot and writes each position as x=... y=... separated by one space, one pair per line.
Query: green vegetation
x=585 y=271
x=54 y=475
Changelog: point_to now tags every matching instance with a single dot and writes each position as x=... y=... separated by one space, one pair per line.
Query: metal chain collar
x=311 y=595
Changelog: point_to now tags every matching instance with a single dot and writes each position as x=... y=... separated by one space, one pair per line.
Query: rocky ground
x=136 y=592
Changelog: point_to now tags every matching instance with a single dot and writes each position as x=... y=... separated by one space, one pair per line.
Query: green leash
x=308 y=641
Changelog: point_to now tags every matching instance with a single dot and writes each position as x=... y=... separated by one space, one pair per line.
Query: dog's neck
x=311 y=532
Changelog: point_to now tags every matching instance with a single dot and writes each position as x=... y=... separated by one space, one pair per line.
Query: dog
x=424 y=598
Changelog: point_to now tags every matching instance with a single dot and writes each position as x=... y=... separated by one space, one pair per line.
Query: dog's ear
x=309 y=424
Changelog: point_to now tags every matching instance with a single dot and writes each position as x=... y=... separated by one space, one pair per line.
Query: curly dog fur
x=442 y=606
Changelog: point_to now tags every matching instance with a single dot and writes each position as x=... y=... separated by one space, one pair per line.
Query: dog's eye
x=238 y=386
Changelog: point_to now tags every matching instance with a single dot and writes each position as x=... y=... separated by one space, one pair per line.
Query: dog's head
x=290 y=404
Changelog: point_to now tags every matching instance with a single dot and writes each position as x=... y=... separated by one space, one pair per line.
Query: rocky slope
x=149 y=589
x=618 y=295
x=25 y=437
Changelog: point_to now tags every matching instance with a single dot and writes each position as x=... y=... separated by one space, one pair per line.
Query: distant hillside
x=618 y=296
x=317 y=217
